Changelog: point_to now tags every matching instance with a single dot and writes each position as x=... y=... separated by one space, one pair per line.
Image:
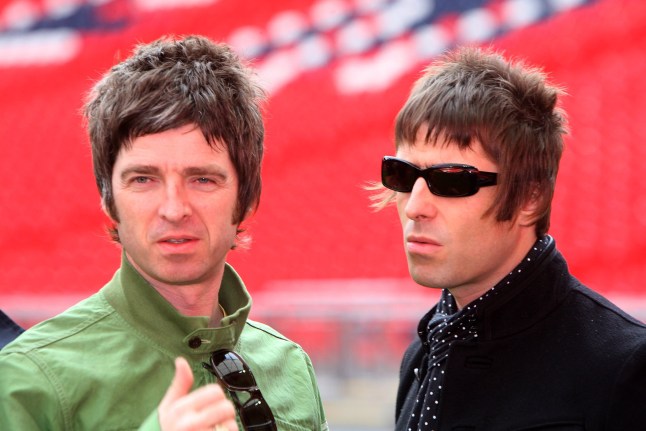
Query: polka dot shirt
x=446 y=326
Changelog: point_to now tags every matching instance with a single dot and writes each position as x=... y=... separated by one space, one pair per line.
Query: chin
x=422 y=280
x=179 y=279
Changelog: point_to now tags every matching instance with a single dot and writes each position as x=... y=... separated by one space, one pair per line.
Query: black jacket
x=8 y=330
x=554 y=355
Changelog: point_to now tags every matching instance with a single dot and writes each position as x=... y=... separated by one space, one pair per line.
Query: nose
x=175 y=205
x=421 y=202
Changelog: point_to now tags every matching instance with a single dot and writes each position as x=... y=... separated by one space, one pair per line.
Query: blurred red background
x=329 y=120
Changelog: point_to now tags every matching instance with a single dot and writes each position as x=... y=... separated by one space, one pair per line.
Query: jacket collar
x=155 y=319
x=528 y=299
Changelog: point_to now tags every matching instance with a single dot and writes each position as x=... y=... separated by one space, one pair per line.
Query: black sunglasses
x=447 y=180
x=235 y=375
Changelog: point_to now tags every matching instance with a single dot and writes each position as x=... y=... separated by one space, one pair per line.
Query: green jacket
x=106 y=363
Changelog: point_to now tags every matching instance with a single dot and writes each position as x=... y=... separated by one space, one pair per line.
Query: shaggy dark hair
x=170 y=83
x=508 y=107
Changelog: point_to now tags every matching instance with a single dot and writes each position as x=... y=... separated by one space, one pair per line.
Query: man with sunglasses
x=515 y=342
x=177 y=142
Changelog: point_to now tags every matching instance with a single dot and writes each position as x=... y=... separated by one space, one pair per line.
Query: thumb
x=181 y=384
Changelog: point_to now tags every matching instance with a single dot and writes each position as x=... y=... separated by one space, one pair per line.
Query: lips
x=177 y=239
x=178 y=243
x=417 y=244
x=421 y=240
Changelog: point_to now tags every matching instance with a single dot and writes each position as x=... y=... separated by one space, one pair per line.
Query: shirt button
x=194 y=342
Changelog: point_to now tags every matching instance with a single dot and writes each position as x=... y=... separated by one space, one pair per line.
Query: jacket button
x=194 y=342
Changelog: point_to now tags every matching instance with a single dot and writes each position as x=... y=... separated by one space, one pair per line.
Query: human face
x=175 y=198
x=455 y=242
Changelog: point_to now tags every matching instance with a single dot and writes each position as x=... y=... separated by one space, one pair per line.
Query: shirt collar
x=155 y=319
x=484 y=311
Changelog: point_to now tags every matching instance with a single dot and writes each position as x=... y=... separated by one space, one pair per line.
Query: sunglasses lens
x=398 y=176
x=235 y=375
x=232 y=370
x=256 y=415
x=453 y=182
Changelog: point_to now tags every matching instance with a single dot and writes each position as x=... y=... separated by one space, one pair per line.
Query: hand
x=200 y=410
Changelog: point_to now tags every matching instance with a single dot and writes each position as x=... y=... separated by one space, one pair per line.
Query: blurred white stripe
x=170 y=4
x=39 y=47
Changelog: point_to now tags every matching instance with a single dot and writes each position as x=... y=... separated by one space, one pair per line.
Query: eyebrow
x=139 y=169
x=207 y=170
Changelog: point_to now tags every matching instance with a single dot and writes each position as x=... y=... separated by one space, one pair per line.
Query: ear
x=245 y=217
x=248 y=213
x=106 y=211
x=104 y=208
x=528 y=215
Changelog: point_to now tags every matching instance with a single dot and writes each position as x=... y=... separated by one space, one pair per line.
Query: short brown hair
x=507 y=106
x=170 y=83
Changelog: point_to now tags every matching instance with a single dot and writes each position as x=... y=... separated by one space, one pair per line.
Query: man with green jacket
x=177 y=143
